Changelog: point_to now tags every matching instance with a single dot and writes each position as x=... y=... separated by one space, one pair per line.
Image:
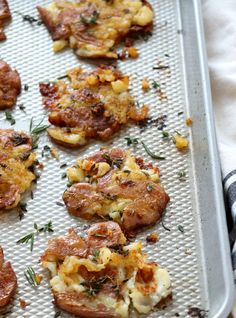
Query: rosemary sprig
x=151 y=154
x=31 y=276
x=31 y=236
x=35 y=131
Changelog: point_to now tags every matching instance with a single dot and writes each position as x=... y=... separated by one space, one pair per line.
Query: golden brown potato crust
x=8 y=281
x=92 y=105
x=114 y=184
x=98 y=274
x=10 y=86
x=94 y=27
x=5 y=15
x=16 y=161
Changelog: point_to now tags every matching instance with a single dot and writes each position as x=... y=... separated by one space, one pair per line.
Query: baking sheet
x=29 y=49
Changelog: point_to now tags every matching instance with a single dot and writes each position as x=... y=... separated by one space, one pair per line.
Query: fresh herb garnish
x=151 y=154
x=165 y=135
x=96 y=254
x=31 y=276
x=181 y=175
x=180 y=113
x=99 y=235
x=29 y=238
x=63 y=175
x=26 y=87
x=59 y=203
x=160 y=67
x=57 y=314
x=21 y=107
x=89 y=20
x=62 y=77
x=46 y=151
x=164 y=226
x=10 y=117
x=35 y=131
x=156 y=85
x=94 y=285
x=149 y=187
x=22 y=210
x=63 y=165
x=131 y=141
x=181 y=228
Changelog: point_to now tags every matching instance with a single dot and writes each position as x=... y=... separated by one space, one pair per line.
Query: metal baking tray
x=198 y=260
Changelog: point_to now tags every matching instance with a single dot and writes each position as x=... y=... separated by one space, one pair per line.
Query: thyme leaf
x=131 y=141
x=9 y=117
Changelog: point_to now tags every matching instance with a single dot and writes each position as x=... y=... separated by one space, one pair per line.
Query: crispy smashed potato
x=10 y=85
x=101 y=276
x=16 y=161
x=114 y=184
x=8 y=281
x=90 y=105
x=93 y=27
x=5 y=16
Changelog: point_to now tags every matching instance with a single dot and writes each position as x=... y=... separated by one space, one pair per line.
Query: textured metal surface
x=28 y=49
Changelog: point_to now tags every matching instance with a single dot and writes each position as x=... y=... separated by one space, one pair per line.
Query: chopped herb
x=18 y=140
x=32 y=195
x=127 y=171
x=165 y=134
x=62 y=77
x=31 y=276
x=95 y=285
x=180 y=113
x=10 y=117
x=21 y=107
x=131 y=141
x=46 y=151
x=26 y=87
x=182 y=175
x=156 y=85
x=161 y=67
x=149 y=187
x=180 y=228
x=113 y=162
x=59 y=203
x=23 y=206
x=99 y=235
x=96 y=254
x=57 y=314
x=177 y=132
x=63 y=165
x=29 y=238
x=92 y=20
x=63 y=175
x=151 y=154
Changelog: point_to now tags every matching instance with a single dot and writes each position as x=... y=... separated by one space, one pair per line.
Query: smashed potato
x=101 y=276
x=89 y=105
x=16 y=161
x=93 y=27
x=114 y=184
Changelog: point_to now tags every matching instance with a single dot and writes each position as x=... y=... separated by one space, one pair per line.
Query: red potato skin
x=8 y=281
x=5 y=15
x=10 y=86
x=146 y=207
x=81 y=306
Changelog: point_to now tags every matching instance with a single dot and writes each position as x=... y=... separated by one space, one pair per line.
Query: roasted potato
x=89 y=105
x=10 y=85
x=114 y=184
x=93 y=27
x=99 y=275
x=8 y=281
x=5 y=16
x=16 y=161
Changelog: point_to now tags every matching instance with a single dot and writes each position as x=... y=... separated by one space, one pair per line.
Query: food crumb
x=189 y=121
x=54 y=153
x=38 y=278
x=181 y=143
x=152 y=238
x=133 y=52
x=145 y=84
x=23 y=303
